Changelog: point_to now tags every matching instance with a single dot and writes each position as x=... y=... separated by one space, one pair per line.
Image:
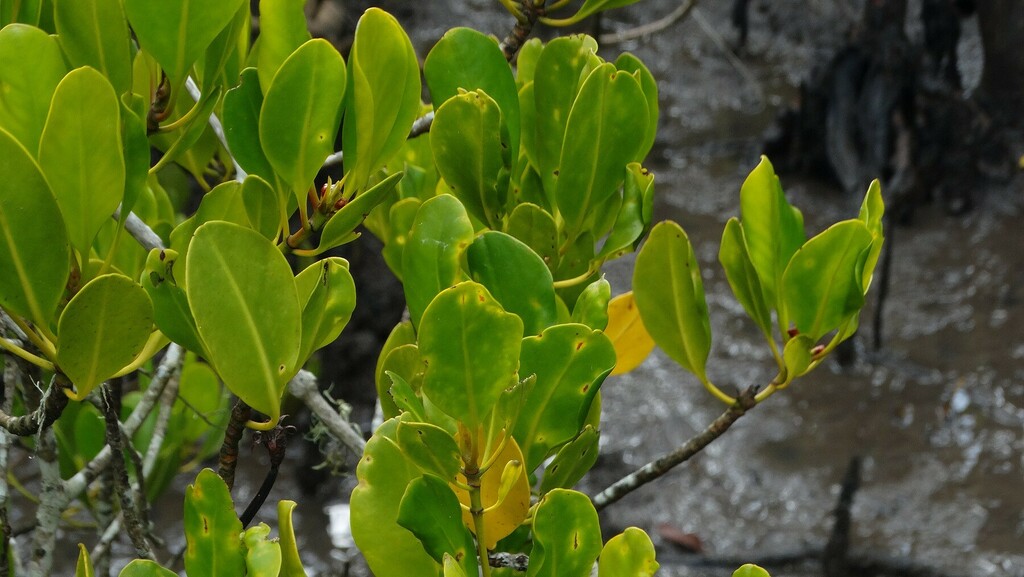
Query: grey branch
x=12 y=374
x=650 y=28
x=52 y=502
x=140 y=231
x=303 y=385
x=420 y=126
x=515 y=561
x=651 y=471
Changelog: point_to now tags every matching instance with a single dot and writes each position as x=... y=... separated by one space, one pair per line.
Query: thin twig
x=521 y=31
x=229 y=446
x=651 y=27
x=218 y=128
x=102 y=548
x=129 y=513
x=303 y=385
x=163 y=418
x=49 y=410
x=514 y=561
x=276 y=442
x=140 y=231
x=11 y=377
x=52 y=501
x=655 y=469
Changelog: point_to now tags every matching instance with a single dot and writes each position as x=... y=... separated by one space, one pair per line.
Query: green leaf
x=594 y=6
x=536 y=228
x=628 y=554
x=145 y=568
x=84 y=566
x=384 y=473
x=28 y=83
x=262 y=206
x=591 y=307
x=566 y=536
x=555 y=86
x=871 y=212
x=212 y=529
x=136 y=157
x=102 y=330
x=460 y=328
x=384 y=96
x=177 y=32
x=34 y=250
x=201 y=401
x=670 y=295
x=291 y=565
x=452 y=567
x=262 y=556
x=80 y=154
x=404 y=396
x=570 y=361
x=431 y=258
x=241 y=119
x=749 y=570
x=345 y=221
x=432 y=449
x=742 y=276
x=604 y=140
x=633 y=219
x=27 y=11
x=572 y=461
x=225 y=57
x=403 y=334
x=470 y=149
x=282 y=31
x=243 y=297
x=401 y=217
x=773 y=229
x=431 y=511
x=797 y=357
x=526 y=61
x=822 y=284
x=328 y=294
x=301 y=112
x=95 y=33
x=470 y=60
x=649 y=85
x=516 y=277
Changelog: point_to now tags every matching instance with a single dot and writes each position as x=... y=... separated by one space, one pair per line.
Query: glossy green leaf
x=431 y=258
x=570 y=361
x=243 y=297
x=145 y=568
x=452 y=567
x=470 y=149
x=301 y=112
x=628 y=554
x=649 y=85
x=328 y=294
x=225 y=56
x=822 y=284
x=95 y=33
x=136 y=156
x=871 y=212
x=670 y=295
x=384 y=96
x=431 y=448
x=594 y=6
x=283 y=29
x=604 y=140
x=750 y=570
x=402 y=334
x=404 y=396
x=201 y=400
x=460 y=328
x=262 y=206
x=572 y=461
x=566 y=536
x=516 y=277
x=773 y=229
x=241 y=119
x=212 y=529
x=797 y=357
x=742 y=277
x=34 y=249
x=555 y=85
x=431 y=511
x=80 y=154
x=470 y=60
x=536 y=228
x=83 y=568
x=26 y=11
x=103 y=328
x=384 y=473
x=345 y=221
x=28 y=83
x=291 y=565
x=262 y=556
x=632 y=220
x=577 y=260
x=526 y=61
x=591 y=307
x=177 y=32
x=401 y=215
x=223 y=203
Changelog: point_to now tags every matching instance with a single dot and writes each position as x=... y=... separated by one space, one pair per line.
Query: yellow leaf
x=499 y=522
x=627 y=332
